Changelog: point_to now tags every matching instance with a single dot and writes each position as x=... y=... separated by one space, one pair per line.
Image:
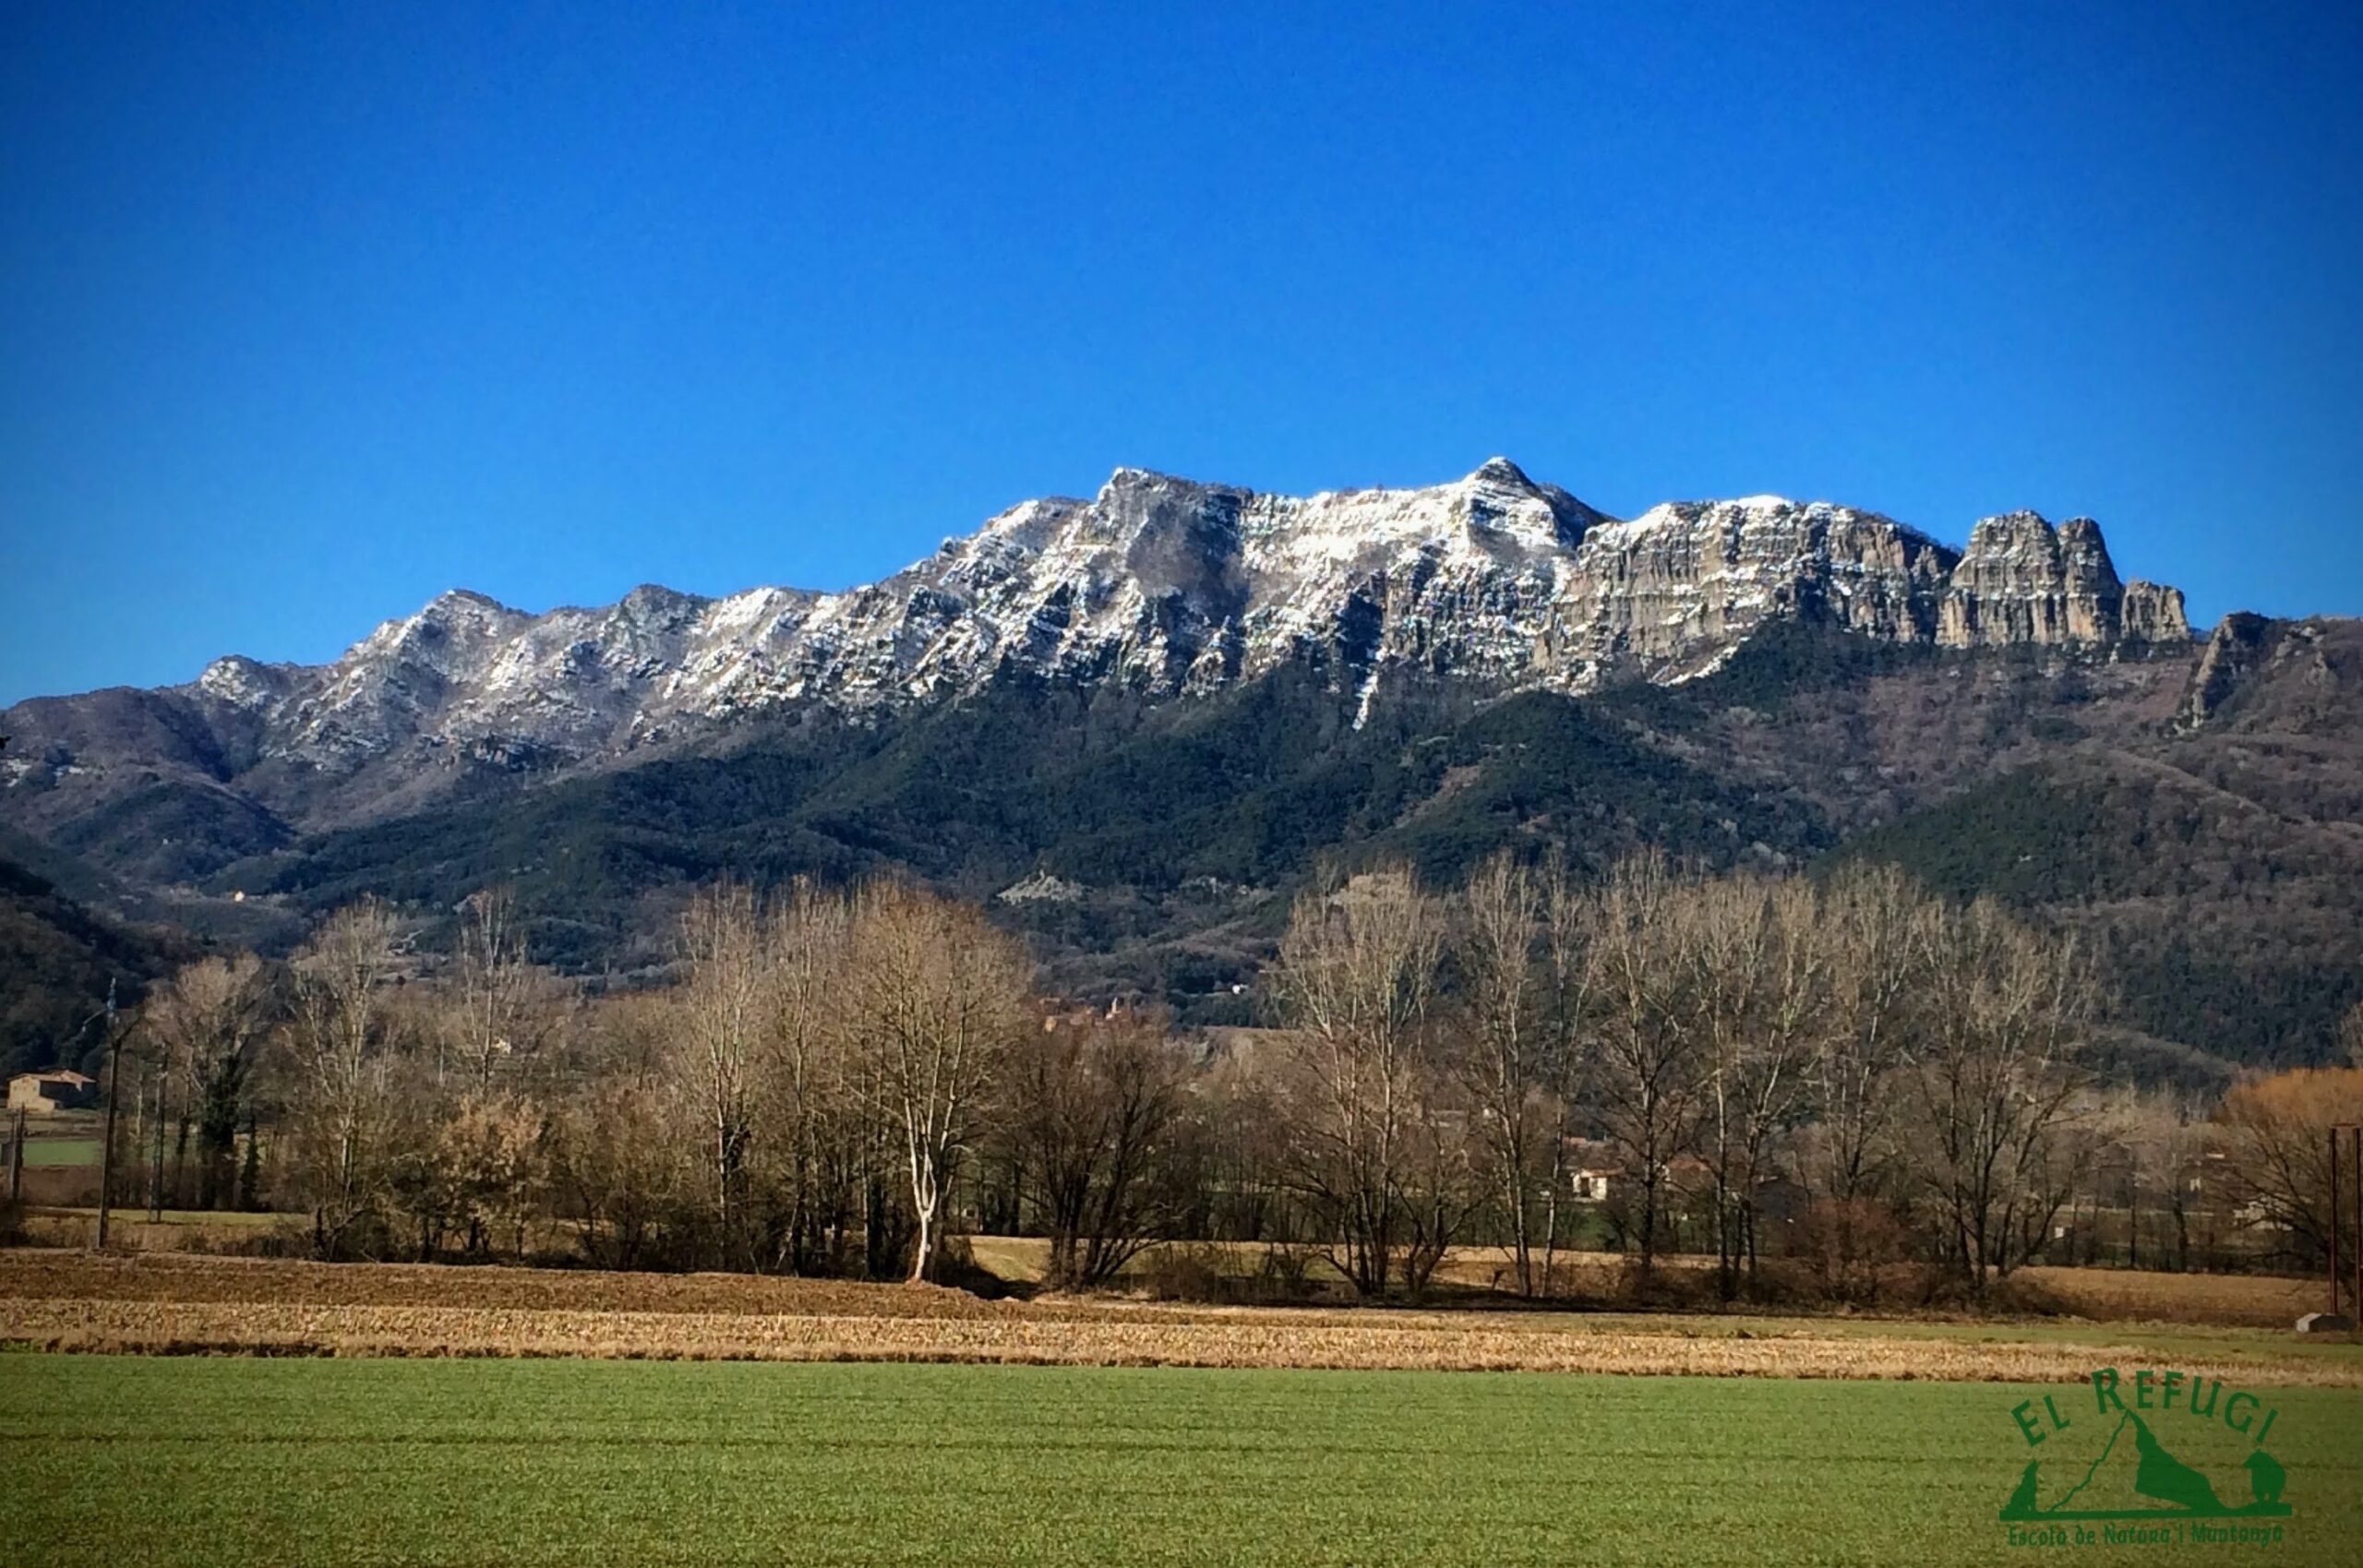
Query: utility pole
x=2355 y=1137
x=156 y=1148
x=2354 y=1252
x=114 y=1098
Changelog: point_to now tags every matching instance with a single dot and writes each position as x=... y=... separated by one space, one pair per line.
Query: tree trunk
x=156 y=1161
x=1551 y=1212
x=180 y=1161
x=922 y=1249
x=250 y=1173
x=1649 y=1223
x=1518 y=1240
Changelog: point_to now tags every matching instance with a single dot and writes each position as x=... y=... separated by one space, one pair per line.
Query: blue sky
x=308 y=312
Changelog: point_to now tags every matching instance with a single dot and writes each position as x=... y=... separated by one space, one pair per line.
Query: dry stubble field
x=156 y=1303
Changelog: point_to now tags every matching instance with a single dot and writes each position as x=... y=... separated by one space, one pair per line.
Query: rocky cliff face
x=1168 y=586
x=2021 y=582
x=2286 y=676
x=1676 y=589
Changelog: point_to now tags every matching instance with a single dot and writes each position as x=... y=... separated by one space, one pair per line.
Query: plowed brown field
x=82 y=1301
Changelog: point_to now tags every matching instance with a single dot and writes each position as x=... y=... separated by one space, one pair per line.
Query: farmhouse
x=1590 y=1164
x=57 y=1089
x=1590 y=1183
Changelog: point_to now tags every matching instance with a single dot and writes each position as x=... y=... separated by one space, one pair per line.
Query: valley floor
x=130 y=1461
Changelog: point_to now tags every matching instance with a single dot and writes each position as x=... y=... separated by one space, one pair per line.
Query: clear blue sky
x=308 y=313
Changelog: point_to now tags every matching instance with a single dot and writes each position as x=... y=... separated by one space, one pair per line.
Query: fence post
x=2355 y=1253
x=114 y=1096
x=2334 y=1221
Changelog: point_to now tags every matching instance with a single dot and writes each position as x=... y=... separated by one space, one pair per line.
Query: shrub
x=1185 y=1271
x=1854 y=1251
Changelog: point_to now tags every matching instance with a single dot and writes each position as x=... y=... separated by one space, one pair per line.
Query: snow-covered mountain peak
x=1029 y=525
x=242 y=682
x=457 y=615
x=1500 y=470
x=654 y=601
x=1173 y=586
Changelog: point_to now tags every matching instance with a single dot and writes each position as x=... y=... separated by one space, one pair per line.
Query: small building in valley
x=55 y=1089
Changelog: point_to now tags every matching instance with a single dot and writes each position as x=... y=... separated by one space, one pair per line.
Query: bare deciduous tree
x=501 y=1007
x=1518 y=991
x=615 y=1158
x=809 y=1107
x=935 y=1004
x=726 y=1016
x=1375 y=1155
x=2157 y=1145
x=1094 y=1104
x=1995 y=1066
x=210 y=1020
x=1761 y=975
x=1883 y=933
x=1644 y=1052
x=341 y=1029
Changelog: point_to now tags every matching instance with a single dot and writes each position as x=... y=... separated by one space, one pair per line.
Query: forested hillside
x=2198 y=819
x=58 y=958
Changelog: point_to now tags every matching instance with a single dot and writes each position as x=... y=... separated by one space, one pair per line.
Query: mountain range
x=1133 y=723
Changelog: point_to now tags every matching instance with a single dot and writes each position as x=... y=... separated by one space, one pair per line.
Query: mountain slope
x=1167 y=819
x=2215 y=865
x=1135 y=724
x=58 y=957
x=1153 y=847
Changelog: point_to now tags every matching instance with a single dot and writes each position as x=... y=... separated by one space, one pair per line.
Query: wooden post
x=2333 y=1222
x=2354 y=1257
x=115 y=1094
x=156 y=1163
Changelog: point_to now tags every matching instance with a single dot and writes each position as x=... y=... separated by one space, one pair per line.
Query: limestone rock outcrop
x=2022 y=581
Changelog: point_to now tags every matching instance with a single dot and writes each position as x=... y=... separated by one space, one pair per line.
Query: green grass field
x=57 y=1153
x=125 y=1461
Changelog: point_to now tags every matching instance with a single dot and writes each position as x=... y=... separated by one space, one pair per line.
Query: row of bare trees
x=842 y=1079
x=804 y=1098
x=782 y=1105
x=1859 y=1039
